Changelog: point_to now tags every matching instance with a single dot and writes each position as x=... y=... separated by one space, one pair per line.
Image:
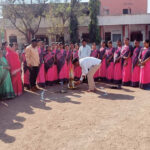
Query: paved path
x=77 y=120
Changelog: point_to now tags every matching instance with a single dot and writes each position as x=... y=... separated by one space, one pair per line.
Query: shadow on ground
x=9 y=109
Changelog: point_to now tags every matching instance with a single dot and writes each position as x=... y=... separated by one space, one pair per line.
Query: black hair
x=11 y=44
x=109 y=42
x=34 y=40
x=75 y=60
x=119 y=41
x=136 y=40
x=103 y=42
x=127 y=39
x=83 y=40
x=147 y=41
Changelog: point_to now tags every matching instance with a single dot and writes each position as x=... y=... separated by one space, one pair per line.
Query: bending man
x=89 y=67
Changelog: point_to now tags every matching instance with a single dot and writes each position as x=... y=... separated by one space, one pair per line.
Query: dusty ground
x=77 y=120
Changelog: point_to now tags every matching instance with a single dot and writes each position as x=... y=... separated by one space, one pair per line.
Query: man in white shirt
x=89 y=66
x=84 y=50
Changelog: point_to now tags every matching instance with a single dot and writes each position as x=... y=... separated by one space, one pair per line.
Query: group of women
x=123 y=65
x=10 y=73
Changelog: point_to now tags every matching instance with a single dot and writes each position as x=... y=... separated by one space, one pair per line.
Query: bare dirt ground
x=77 y=120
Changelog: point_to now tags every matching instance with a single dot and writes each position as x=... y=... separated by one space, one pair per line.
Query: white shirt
x=87 y=63
x=84 y=51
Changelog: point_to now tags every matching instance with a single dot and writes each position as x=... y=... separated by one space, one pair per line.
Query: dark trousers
x=33 y=75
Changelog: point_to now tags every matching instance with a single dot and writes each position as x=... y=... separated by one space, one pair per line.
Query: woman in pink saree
x=26 y=76
x=118 y=65
x=15 y=69
x=77 y=70
x=135 y=65
x=41 y=74
x=69 y=58
x=102 y=57
x=62 y=64
x=126 y=53
x=50 y=67
x=95 y=54
x=109 y=62
x=144 y=59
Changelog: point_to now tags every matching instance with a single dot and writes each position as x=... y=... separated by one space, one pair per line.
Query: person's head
x=136 y=43
x=146 y=43
x=34 y=43
x=61 y=46
x=103 y=44
x=42 y=44
x=15 y=46
x=84 y=42
x=67 y=47
x=71 y=46
x=39 y=42
x=119 y=43
x=53 y=46
x=94 y=46
x=4 y=45
x=110 y=44
x=48 y=48
x=77 y=46
x=126 y=41
x=75 y=62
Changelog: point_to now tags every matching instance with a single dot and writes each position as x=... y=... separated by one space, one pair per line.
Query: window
x=116 y=37
x=107 y=36
x=136 y=36
x=12 y=39
x=126 y=11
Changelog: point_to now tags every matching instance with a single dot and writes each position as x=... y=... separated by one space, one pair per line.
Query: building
x=118 y=19
x=124 y=18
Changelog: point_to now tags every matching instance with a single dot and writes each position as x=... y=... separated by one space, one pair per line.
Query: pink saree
x=15 y=70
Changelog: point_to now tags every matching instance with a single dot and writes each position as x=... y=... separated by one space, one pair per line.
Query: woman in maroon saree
x=15 y=69
x=135 y=65
x=144 y=59
x=103 y=64
x=126 y=53
x=117 y=65
x=110 y=62
x=95 y=53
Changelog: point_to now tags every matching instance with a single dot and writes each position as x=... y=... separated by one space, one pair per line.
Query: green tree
x=94 y=31
x=73 y=24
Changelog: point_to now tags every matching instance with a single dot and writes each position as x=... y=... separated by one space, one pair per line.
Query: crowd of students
x=46 y=65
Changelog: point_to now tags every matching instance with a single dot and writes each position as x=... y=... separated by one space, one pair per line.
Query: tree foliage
x=73 y=24
x=94 y=32
x=25 y=16
x=63 y=14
